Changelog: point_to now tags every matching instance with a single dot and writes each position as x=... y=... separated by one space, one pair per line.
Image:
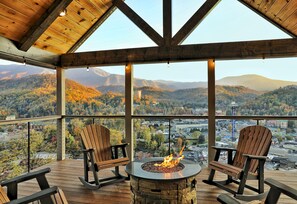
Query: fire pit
x=151 y=183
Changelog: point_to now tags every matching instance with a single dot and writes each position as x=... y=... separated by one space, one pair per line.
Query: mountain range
x=102 y=80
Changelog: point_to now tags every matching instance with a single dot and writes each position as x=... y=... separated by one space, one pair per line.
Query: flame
x=170 y=162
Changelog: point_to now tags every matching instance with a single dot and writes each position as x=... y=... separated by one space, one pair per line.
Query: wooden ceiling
x=18 y=17
x=36 y=23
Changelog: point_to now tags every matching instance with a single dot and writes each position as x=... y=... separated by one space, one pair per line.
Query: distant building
x=10 y=117
x=138 y=95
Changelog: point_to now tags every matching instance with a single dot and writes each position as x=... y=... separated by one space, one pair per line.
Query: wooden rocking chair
x=248 y=162
x=100 y=154
x=47 y=194
x=276 y=189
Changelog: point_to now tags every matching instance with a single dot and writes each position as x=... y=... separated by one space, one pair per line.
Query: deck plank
x=65 y=175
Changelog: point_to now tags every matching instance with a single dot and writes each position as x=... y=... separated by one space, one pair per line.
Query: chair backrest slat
x=3 y=196
x=97 y=137
x=254 y=140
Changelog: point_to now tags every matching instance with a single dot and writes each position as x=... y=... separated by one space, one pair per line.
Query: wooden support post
x=60 y=111
x=211 y=109
x=129 y=109
x=167 y=22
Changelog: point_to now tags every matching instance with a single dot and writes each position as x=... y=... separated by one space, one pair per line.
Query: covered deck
x=65 y=175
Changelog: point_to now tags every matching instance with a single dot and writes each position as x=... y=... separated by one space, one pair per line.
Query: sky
x=229 y=21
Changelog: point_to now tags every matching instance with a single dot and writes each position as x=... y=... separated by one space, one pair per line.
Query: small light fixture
x=63 y=13
x=24 y=61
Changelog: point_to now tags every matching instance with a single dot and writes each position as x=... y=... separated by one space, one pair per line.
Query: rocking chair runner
x=100 y=154
x=248 y=162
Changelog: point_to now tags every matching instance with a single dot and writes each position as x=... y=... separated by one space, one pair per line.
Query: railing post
x=169 y=133
x=29 y=147
x=211 y=109
x=129 y=109
x=61 y=123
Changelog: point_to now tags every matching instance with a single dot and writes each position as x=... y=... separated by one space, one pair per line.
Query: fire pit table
x=160 y=185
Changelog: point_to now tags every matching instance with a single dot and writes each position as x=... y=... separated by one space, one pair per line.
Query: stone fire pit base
x=147 y=191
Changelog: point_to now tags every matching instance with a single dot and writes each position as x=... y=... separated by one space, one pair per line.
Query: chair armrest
x=12 y=184
x=255 y=156
x=277 y=187
x=224 y=148
x=120 y=145
x=26 y=177
x=36 y=196
x=88 y=150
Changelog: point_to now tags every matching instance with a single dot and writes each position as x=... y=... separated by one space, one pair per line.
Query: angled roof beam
x=42 y=24
x=92 y=29
x=137 y=20
x=167 y=22
x=194 y=21
x=268 y=19
x=219 y=51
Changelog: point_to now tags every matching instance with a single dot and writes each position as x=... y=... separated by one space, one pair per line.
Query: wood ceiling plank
x=13 y=30
x=91 y=8
x=100 y=6
x=42 y=24
x=58 y=30
x=81 y=11
x=36 y=4
x=12 y=14
x=288 y=11
x=291 y=21
x=265 y=5
x=55 y=41
x=25 y=9
x=52 y=33
x=51 y=48
x=69 y=26
x=218 y=51
x=276 y=8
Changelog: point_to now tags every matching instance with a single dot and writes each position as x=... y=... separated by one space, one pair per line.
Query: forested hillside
x=35 y=95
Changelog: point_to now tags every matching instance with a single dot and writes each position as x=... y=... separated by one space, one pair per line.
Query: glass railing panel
x=161 y=137
x=75 y=126
x=193 y=134
x=13 y=150
x=43 y=143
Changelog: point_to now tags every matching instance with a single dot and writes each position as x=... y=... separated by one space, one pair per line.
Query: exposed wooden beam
x=34 y=56
x=92 y=29
x=218 y=51
x=268 y=19
x=194 y=21
x=139 y=22
x=167 y=22
x=42 y=24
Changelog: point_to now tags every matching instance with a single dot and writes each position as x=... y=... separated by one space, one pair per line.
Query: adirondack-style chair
x=47 y=194
x=276 y=189
x=248 y=162
x=100 y=154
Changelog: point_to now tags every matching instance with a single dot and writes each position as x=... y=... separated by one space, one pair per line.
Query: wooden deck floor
x=65 y=175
